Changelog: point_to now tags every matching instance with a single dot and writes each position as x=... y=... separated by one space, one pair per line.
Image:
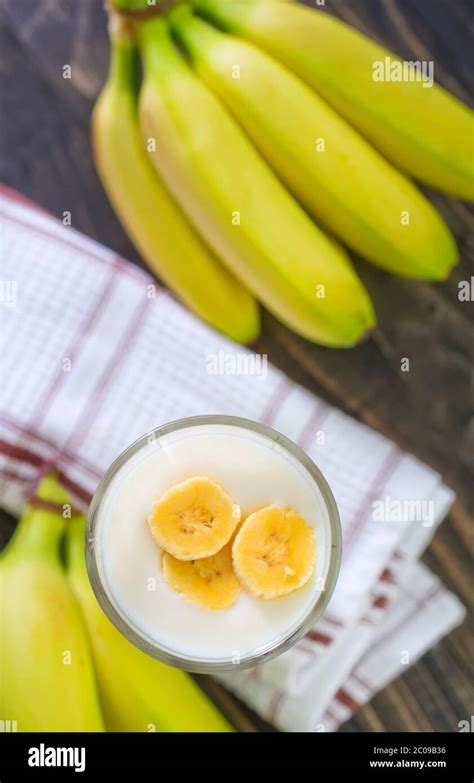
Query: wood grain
x=45 y=153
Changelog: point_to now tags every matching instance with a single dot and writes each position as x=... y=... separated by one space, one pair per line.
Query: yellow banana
x=343 y=182
x=274 y=552
x=154 y=222
x=210 y=582
x=194 y=518
x=137 y=692
x=417 y=125
x=240 y=206
x=46 y=677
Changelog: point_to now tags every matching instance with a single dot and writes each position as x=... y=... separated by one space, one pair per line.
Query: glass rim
x=139 y=637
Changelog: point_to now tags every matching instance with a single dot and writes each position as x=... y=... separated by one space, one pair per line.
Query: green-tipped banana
x=46 y=677
x=418 y=126
x=154 y=222
x=137 y=692
x=332 y=170
x=240 y=206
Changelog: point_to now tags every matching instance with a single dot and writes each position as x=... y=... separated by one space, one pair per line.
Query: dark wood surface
x=45 y=154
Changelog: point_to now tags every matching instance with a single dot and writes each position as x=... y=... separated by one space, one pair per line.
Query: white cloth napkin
x=94 y=354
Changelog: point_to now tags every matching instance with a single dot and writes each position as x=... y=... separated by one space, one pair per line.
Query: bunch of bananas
x=237 y=164
x=63 y=665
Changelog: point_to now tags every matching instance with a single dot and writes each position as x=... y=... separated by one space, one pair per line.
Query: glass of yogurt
x=257 y=467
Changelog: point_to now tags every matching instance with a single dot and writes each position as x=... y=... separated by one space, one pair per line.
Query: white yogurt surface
x=255 y=471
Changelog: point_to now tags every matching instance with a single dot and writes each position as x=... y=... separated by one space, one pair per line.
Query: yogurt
x=256 y=470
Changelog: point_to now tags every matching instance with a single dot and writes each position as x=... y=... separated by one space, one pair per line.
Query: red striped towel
x=94 y=354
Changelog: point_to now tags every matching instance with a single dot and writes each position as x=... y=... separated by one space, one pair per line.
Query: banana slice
x=209 y=582
x=194 y=519
x=274 y=552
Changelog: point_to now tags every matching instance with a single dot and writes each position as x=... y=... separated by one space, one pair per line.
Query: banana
x=239 y=204
x=47 y=681
x=209 y=582
x=422 y=129
x=152 y=219
x=274 y=552
x=137 y=692
x=193 y=519
x=133 y=6
x=346 y=185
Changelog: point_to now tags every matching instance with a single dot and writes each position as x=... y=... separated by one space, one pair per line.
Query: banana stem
x=40 y=530
x=141 y=9
x=130 y=5
x=157 y=49
x=38 y=533
x=123 y=69
x=191 y=30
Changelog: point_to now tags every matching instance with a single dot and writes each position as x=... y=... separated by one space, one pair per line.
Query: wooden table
x=46 y=155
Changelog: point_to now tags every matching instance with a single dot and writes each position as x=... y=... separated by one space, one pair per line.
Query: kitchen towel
x=94 y=354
